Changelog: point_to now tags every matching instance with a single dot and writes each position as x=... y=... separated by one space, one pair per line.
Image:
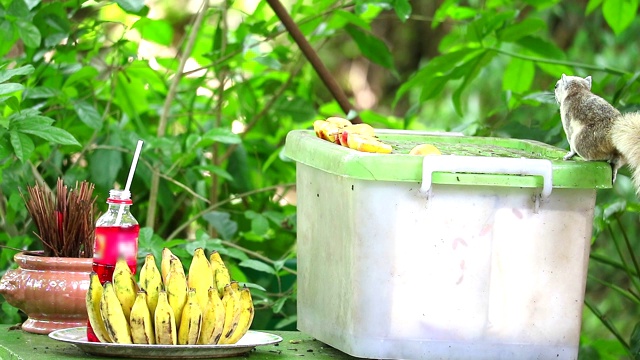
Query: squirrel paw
x=569 y=155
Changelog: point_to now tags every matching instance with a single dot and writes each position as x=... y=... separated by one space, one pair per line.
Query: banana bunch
x=169 y=306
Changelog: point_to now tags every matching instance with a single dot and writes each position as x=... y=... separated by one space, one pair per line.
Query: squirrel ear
x=563 y=76
x=588 y=78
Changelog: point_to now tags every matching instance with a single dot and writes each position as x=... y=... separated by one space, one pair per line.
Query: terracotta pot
x=50 y=290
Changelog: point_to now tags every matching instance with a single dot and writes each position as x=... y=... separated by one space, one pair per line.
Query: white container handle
x=486 y=165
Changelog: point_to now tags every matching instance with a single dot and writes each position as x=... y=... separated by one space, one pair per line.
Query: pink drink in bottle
x=114 y=240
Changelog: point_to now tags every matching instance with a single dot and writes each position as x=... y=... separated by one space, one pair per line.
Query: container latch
x=488 y=165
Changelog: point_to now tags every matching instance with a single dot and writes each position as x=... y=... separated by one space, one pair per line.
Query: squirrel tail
x=625 y=136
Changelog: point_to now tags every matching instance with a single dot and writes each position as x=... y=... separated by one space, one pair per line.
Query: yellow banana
x=140 y=321
x=94 y=294
x=200 y=277
x=125 y=286
x=220 y=272
x=176 y=287
x=164 y=322
x=165 y=263
x=114 y=320
x=151 y=281
x=212 y=319
x=191 y=321
x=231 y=302
x=246 y=316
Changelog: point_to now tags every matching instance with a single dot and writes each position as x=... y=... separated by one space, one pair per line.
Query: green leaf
x=433 y=87
x=592 y=5
x=289 y=320
x=131 y=6
x=259 y=223
x=539 y=47
x=40 y=92
x=8 y=88
x=619 y=14
x=32 y=123
x=215 y=170
x=461 y=12
x=258 y=266
x=403 y=9
x=298 y=108
x=371 y=47
x=222 y=222
x=346 y=17
x=104 y=166
x=279 y=304
x=13 y=103
x=157 y=31
x=88 y=114
x=524 y=28
x=442 y=12
x=471 y=70
x=440 y=67
x=614 y=208
x=541 y=4
x=22 y=145
x=518 y=76
x=8 y=74
x=85 y=73
x=18 y=8
x=221 y=135
x=8 y=36
x=29 y=34
x=55 y=135
x=634 y=342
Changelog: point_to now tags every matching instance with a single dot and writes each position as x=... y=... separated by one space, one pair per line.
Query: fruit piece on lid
x=362 y=129
x=339 y=122
x=318 y=125
x=368 y=143
x=424 y=150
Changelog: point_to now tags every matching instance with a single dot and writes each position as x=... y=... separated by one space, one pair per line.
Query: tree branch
x=164 y=117
x=314 y=59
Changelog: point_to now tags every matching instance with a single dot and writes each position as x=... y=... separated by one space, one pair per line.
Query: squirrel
x=595 y=129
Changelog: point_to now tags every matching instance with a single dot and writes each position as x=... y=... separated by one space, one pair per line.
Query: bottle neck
x=116 y=207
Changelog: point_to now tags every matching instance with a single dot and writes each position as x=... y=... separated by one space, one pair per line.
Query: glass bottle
x=116 y=236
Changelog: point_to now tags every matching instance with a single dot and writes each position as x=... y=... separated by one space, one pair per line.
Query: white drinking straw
x=132 y=170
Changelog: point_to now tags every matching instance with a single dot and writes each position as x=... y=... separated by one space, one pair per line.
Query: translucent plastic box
x=480 y=253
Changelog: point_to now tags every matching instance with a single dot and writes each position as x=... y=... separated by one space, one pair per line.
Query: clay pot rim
x=34 y=261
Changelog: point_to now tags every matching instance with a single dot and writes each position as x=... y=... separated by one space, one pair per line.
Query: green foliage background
x=82 y=81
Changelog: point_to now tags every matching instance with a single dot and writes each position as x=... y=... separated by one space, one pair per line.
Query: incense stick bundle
x=65 y=222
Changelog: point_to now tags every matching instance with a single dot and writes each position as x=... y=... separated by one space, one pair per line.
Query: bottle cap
x=119 y=197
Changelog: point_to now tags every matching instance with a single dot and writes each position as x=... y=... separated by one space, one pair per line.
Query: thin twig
x=606 y=69
x=607 y=261
x=632 y=254
x=627 y=294
x=215 y=149
x=605 y=321
x=628 y=269
x=265 y=109
x=271 y=36
x=162 y=176
x=162 y=125
x=256 y=255
x=220 y=203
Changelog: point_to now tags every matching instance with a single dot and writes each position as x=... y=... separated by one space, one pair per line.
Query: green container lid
x=304 y=147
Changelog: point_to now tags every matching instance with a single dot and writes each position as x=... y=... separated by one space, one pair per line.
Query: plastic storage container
x=480 y=253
